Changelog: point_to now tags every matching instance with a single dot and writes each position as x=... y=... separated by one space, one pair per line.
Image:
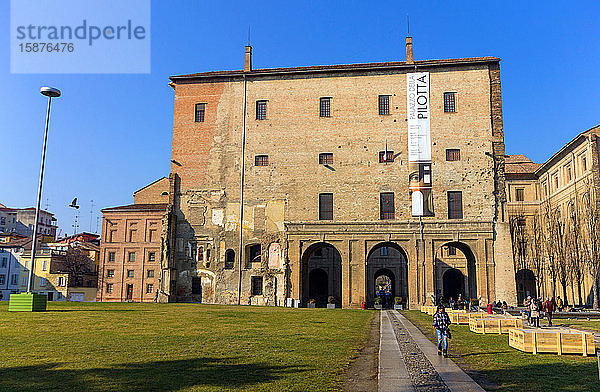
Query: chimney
x=409 y=53
x=248 y=62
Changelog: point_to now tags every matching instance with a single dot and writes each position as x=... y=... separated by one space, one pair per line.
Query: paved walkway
x=424 y=370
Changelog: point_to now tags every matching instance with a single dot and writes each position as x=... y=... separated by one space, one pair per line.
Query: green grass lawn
x=511 y=370
x=177 y=347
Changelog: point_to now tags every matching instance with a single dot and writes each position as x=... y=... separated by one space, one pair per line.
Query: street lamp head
x=50 y=92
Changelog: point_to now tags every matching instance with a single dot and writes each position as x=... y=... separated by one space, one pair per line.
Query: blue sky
x=111 y=134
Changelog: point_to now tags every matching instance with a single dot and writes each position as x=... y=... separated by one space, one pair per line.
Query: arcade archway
x=453 y=284
x=321 y=274
x=387 y=272
x=526 y=286
x=453 y=258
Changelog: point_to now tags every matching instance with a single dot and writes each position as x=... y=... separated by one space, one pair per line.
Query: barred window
x=384 y=105
x=200 y=108
x=109 y=288
x=453 y=154
x=110 y=273
x=451 y=250
x=455 y=210
x=111 y=257
x=519 y=194
x=386 y=205
x=130 y=273
x=326 y=158
x=386 y=156
x=325 y=206
x=449 y=103
x=261 y=110
x=325 y=107
x=131 y=256
x=257 y=285
x=261 y=160
x=149 y=288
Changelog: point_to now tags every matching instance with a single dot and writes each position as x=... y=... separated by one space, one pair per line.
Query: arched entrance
x=387 y=264
x=525 y=279
x=453 y=284
x=318 y=286
x=321 y=274
x=456 y=256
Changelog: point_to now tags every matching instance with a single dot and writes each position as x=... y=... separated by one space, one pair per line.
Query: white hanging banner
x=419 y=143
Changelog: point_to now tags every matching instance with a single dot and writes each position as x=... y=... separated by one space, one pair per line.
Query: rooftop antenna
x=408 y=25
x=248 y=35
x=91 y=213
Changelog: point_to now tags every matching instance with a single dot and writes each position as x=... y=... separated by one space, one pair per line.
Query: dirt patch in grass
x=362 y=373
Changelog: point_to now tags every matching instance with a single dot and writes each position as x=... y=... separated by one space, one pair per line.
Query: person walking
x=534 y=311
x=549 y=307
x=441 y=323
x=527 y=305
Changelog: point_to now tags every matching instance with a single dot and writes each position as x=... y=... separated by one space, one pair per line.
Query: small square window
x=149 y=288
x=151 y=256
x=110 y=273
x=130 y=273
x=109 y=287
x=200 y=108
x=325 y=107
x=326 y=158
x=111 y=257
x=261 y=110
x=384 y=105
x=131 y=256
x=261 y=160
x=453 y=154
x=150 y=274
x=449 y=102
x=257 y=285
x=386 y=156
x=519 y=194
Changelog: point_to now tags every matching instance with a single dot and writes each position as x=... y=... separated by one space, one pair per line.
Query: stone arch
x=465 y=262
x=229 y=259
x=390 y=259
x=326 y=257
x=526 y=285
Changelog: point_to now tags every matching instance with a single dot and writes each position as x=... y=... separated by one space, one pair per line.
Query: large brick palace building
x=312 y=165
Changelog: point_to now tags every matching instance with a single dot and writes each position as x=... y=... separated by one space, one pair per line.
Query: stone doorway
x=321 y=274
x=453 y=284
x=387 y=262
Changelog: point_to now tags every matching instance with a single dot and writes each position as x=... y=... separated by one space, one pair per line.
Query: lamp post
x=49 y=92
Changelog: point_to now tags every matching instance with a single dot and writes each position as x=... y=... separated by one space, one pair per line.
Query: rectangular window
x=261 y=110
x=453 y=154
x=111 y=257
x=44 y=265
x=131 y=256
x=519 y=194
x=2 y=221
x=132 y=235
x=556 y=181
x=386 y=206
x=24 y=281
x=110 y=273
x=109 y=287
x=257 y=285
x=449 y=103
x=2 y=279
x=151 y=256
x=196 y=286
x=200 y=108
x=451 y=251
x=130 y=273
x=384 y=105
x=326 y=158
x=386 y=156
x=325 y=206
x=4 y=262
x=14 y=280
x=325 y=107
x=261 y=160
x=569 y=174
x=455 y=210
x=150 y=273
x=61 y=281
x=43 y=282
x=583 y=164
x=149 y=288
x=254 y=252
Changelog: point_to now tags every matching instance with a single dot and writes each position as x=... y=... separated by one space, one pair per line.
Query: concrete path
x=453 y=376
x=392 y=375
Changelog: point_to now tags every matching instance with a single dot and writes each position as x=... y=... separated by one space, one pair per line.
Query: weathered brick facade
x=281 y=199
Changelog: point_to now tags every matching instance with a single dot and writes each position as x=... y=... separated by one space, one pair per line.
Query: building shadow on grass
x=560 y=374
x=149 y=376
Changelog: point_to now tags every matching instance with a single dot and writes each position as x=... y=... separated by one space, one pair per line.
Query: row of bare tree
x=560 y=244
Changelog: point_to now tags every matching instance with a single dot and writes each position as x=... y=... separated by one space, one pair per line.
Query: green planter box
x=27 y=302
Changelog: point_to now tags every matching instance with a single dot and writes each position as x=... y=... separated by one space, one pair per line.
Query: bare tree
x=537 y=250
x=75 y=263
x=574 y=244
x=551 y=247
x=518 y=233
x=590 y=211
